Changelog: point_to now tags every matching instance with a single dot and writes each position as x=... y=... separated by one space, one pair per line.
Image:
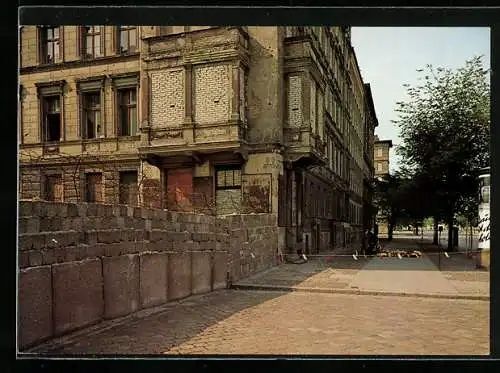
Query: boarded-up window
x=53 y=188
x=93 y=187
x=256 y=192
x=228 y=190
x=128 y=188
x=179 y=189
x=202 y=194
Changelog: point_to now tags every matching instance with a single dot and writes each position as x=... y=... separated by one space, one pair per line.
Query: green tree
x=389 y=199
x=445 y=129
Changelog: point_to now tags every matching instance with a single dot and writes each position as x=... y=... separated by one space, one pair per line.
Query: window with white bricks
x=212 y=93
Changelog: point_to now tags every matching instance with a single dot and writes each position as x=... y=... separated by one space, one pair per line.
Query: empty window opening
x=51 y=119
x=91 y=115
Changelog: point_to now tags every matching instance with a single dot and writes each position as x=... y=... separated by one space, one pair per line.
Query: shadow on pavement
x=329 y=271
x=176 y=324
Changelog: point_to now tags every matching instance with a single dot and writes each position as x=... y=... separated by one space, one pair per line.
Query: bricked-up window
x=228 y=189
x=92 y=41
x=50 y=44
x=91 y=115
x=128 y=188
x=128 y=39
x=53 y=188
x=93 y=187
x=51 y=119
x=127 y=100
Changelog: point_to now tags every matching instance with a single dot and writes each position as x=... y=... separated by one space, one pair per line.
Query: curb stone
x=246 y=286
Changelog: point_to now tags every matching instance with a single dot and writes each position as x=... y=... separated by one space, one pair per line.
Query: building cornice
x=79 y=63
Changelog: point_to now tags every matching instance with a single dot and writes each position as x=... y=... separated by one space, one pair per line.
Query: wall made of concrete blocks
x=253 y=243
x=83 y=263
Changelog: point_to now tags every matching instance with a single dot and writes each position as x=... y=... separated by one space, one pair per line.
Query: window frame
x=120 y=110
x=44 y=91
x=121 y=82
x=83 y=42
x=118 y=45
x=91 y=109
x=233 y=187
x=225 y=169
x=85 y=87
x=42 y=44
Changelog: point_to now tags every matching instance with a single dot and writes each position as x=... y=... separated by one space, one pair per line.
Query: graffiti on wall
x=484 y=228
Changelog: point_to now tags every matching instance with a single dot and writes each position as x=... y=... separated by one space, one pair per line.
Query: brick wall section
x=167 y=104
x=98 y=261
x=212 y=94
x=312 y=106
x=30 y=180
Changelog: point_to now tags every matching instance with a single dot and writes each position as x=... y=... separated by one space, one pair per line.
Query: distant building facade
x=381 y=163
x=381 y=156
x=206 y=119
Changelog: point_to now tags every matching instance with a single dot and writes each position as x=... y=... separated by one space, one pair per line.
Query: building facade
x=381 y=156
x=206 y=119
x=381 y=162
x=371 y=122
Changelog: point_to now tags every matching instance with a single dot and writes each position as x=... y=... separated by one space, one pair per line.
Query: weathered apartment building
x=200 y=118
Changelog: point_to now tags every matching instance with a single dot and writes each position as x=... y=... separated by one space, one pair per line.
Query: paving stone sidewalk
x=458 y=277
x=295 y=323
x=309 y=322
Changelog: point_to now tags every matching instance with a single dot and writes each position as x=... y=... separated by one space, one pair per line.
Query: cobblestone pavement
x=260 y=322
x=462 y=273
x=324 y=272
x=343 y=273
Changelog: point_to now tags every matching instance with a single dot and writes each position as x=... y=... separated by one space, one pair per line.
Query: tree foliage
x=445 y=129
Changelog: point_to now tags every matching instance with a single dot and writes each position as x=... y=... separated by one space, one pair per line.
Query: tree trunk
x=436 y=225
x=450 y=232
x=471 y=238
x=390 y=224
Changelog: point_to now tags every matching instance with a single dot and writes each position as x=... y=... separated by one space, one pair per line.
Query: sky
x=388 y=57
